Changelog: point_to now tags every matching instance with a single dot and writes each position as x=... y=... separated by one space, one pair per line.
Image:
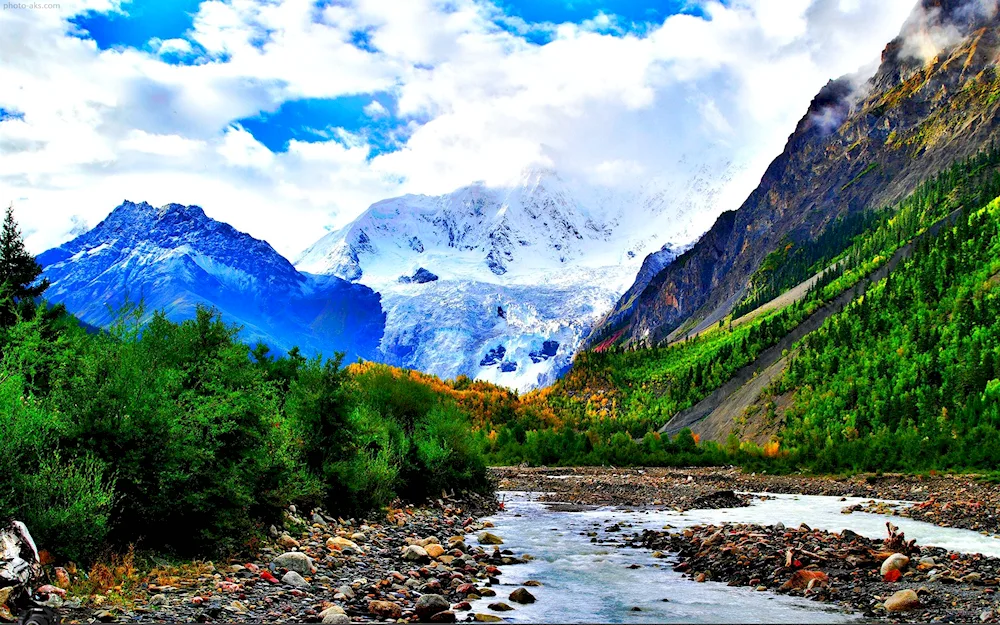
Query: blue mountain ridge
x=176 y=257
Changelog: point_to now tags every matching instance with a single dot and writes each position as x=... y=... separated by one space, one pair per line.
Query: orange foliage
x=485 y=403
x=771 y=449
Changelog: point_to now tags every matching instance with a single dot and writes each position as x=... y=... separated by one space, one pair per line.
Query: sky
x=288 y=118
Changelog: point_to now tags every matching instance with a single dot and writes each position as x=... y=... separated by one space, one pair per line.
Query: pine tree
x=18 y=271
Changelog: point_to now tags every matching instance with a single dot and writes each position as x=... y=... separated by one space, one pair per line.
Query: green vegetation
x=624 y=395
x=908 y=377
x=176 y=437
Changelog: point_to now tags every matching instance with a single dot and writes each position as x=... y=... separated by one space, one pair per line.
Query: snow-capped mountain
x=504 y=283
x=175 y=257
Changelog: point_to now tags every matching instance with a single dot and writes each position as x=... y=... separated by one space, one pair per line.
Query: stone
x=895 y=562
x=486 y=538
x=486 y=618
x=500 y=607
x=339 y=543
x=62 y=577
x=434 y=550
x=801 y=580
x=295 y=561
x=429 y=605
x=972 y=578
x=521 y=595
x=446 y=616
x=292 y=578
x=414 y=553
x=464 y=606
x=532 y=582
x=288 y=542
x=385 y=609
x=333 y=609
x=902 y=601
x=336 y=619
x=158 y=599
x=359 y=537
x=237 y=607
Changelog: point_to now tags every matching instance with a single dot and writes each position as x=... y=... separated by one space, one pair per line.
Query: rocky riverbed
x=446 y=561
x=421 y=564
x=890 y=579
x=961 y=501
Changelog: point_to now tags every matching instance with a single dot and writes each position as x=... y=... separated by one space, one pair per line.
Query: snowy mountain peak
x=175 y=257
x=503 y=283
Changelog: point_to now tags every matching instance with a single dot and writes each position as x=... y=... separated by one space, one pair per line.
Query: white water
x=586 y=582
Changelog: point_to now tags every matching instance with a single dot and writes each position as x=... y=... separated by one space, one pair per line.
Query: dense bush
x=178 y=437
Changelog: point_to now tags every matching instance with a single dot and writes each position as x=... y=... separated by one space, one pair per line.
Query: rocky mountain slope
x=175 y=257
x=504 y=283
x=864 y=145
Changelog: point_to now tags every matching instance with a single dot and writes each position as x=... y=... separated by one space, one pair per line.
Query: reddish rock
x=801 y=580
x=385 y=609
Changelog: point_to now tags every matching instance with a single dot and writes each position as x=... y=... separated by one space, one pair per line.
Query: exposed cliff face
x=862 y=144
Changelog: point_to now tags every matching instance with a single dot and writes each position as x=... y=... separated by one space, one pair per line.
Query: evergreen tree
x=18 y=271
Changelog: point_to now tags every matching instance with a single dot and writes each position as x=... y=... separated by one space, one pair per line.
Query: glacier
x=505 y=283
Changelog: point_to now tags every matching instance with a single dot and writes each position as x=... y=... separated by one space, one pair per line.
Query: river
x=591 y=582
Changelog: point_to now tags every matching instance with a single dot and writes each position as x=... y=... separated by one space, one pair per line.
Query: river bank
x=606 y=542
x=947 y=500
x=845 y=568
x=416 y=564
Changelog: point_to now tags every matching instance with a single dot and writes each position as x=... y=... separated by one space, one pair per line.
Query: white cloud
x=163 y=145
x=375 y=109
x=482 y=103
x=241 y=149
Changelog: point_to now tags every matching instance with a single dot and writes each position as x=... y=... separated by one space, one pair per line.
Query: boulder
x=434 y=550
x=895 y=562
x=486 y=538
x=385 y=609
x=902 y=601
x=487 y=618
x=288 y=542
x=521 y=595
x=429 y=605
x=500 y=607
x=292 y=578
x=339 y=542
x=334 y=615
x=446 y=616
x=415 y=553
x=295 y=561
